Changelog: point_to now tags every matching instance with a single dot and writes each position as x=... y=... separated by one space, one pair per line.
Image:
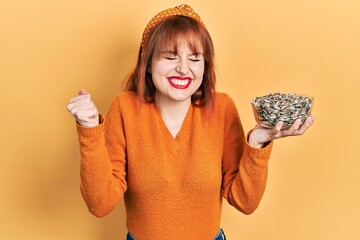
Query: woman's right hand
x=84 y=110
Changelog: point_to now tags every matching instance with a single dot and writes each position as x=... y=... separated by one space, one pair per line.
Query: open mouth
x=180 y=83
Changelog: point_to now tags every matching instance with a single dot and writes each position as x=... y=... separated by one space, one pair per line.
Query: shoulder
x=222 y=97
x=223 y=101
x=129 y=104
x=127 y=96
x=127 y=99
x=225 y=105
x=124 y=102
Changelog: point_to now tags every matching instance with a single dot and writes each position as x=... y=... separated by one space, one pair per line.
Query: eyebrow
x=174 y=52
x=165 y=52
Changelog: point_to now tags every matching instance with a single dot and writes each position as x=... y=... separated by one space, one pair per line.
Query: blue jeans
x=220 y=236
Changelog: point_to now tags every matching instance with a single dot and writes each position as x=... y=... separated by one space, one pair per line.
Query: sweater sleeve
x=244 y=168
x=103 y=162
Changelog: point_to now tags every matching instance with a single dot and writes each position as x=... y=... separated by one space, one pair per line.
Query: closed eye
x=195 y=59
x=170 y=58
x=168 y=55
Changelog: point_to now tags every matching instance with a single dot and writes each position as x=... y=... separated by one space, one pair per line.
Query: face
x=177 y=75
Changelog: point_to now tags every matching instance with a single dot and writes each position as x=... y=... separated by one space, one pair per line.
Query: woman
x=170 y=145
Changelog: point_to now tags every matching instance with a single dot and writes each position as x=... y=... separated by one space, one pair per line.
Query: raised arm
x=102 y=166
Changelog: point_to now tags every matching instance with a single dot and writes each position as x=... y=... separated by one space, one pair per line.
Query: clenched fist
x=84 y=110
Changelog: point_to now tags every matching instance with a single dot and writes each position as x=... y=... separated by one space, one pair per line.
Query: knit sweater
x=172 y=187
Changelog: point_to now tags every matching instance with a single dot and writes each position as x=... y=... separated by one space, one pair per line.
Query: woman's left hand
x=261 y=135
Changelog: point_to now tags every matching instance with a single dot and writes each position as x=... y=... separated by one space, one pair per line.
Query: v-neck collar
x=183 y=133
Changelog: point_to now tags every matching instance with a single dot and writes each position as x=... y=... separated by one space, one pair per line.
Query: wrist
x=253 y=142
x=89 y=124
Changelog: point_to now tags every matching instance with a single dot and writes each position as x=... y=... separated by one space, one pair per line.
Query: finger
x=294 y=127
x=93 y=116
x=82 y=103
x=76 y=98
x=75 y=109
x=79 y=106
x=275 y=131
x=308 y=122
x=87 y=116
x=279 y=125
x=83 y=92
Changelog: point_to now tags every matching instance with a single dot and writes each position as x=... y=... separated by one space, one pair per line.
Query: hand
x=261 y=135
x=84 y=109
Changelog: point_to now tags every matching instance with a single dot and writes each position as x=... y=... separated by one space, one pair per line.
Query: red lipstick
x=179 y=82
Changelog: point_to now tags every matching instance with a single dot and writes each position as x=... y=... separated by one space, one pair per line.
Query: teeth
x=179 y=82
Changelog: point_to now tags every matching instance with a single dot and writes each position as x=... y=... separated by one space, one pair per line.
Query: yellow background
x=50 y=49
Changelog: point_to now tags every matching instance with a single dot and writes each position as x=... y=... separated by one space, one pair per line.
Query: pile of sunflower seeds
x=276 y=107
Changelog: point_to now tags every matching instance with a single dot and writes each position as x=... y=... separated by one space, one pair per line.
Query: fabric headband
x=182 y=10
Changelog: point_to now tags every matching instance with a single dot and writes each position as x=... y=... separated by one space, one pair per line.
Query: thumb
x=275 y=130
x=83 y=92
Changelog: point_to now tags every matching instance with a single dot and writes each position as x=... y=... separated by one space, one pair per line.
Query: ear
x=148 y=68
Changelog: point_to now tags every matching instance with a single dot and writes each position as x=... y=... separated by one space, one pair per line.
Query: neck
x=171 y=108
x=172 y=112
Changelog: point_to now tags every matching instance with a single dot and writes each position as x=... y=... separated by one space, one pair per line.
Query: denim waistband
x=220 y=236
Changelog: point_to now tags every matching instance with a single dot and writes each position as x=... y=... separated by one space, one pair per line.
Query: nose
x=183 y=67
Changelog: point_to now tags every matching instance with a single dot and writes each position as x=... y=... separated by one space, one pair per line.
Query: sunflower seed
x=276 y=107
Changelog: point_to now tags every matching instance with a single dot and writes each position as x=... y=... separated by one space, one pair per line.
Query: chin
x=178 y=97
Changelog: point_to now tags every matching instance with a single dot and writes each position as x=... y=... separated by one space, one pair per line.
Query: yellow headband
x=182 y=10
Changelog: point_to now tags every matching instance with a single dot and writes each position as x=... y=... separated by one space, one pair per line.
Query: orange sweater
x=172 y=188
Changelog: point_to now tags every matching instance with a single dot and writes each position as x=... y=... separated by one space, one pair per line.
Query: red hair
x=167 y=35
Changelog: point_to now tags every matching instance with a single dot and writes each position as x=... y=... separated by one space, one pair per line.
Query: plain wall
x=50 y=49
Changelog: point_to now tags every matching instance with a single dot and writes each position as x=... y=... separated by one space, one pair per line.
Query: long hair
x=168 y=34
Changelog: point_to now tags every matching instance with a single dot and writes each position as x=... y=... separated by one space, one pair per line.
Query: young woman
x=171 y=145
